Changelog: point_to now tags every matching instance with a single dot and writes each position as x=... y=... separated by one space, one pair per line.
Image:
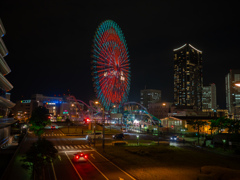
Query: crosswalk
x=53 y=134
x=71 y=147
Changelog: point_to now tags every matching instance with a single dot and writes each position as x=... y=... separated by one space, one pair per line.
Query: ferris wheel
x=111 y=67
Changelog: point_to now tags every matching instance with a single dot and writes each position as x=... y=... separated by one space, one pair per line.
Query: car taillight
x=85 y=156
x=81 y=154
x=77 y=156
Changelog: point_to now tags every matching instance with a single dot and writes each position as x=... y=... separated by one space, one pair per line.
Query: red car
x=80 y=157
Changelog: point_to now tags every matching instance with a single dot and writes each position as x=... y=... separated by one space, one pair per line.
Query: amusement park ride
x=111 y=77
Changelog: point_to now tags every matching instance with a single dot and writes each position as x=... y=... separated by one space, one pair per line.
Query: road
x=97 y=167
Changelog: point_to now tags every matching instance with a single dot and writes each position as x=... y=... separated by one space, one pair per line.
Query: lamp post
x=103 y=123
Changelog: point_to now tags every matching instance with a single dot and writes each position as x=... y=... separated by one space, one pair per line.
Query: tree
x=213 y=125
x=39 y=120
x=197 y=124
x=222 y=123
x=40 y=154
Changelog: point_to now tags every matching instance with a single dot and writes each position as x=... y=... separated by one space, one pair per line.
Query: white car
x=98 y=135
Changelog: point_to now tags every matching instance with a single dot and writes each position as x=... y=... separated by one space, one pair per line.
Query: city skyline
x=49 y=44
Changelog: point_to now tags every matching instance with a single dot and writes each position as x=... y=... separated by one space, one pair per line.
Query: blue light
x=3 y=35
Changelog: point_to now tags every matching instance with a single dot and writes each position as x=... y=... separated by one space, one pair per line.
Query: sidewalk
x=14 y=169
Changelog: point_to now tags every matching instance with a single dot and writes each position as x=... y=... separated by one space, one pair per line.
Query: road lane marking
x=54 y=173
x=98 y=169
x=73 y=166
x=79 y=146
x=121 y=178
x=67 y=147
x=75 y=147
x=59 y=147
x=116 y=166
x=83 y=146
x=64 y=147
x=92 y=156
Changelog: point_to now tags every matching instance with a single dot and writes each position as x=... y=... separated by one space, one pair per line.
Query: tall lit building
x=209 y=97
x=232 y=84
x=149 y=96
x=188 y=80
x=5 y=85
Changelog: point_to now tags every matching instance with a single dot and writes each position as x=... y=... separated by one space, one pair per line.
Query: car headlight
x=171 y=138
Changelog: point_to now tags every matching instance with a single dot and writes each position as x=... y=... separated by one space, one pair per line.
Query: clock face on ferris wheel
x=111 y=70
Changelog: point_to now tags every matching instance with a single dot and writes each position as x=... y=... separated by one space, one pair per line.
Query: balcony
x=4 y=68
x=2 y=29
x=5 y=84
x=6 y=103
x=3 y=49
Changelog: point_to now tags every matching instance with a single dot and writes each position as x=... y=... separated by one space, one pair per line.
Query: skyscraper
x=232 y=82
x=149 y=96
x=209 y=98
x=188 y=80
x=5 y=85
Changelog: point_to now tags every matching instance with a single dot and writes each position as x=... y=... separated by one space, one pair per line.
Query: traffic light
x=172 y=126
x=87 y=120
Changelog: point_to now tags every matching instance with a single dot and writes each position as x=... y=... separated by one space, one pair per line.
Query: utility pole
x=103 y=130
x=159 y=125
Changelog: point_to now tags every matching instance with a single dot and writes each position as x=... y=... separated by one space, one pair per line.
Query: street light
x=103 y=121
x=237 y=84
x=137 y=139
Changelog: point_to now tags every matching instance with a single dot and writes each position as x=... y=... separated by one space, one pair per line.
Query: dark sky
x=50 y=43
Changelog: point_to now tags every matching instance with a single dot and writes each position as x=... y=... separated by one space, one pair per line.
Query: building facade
x=160 y=109
x=149 y=96
x=232 y=86
x=5 y=85
x=23 y=109
x=209 y=97
x=188 y=80
x=59 y=108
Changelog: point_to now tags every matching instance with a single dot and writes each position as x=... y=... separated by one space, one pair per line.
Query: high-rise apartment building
x=150 y=96
x=5 y=85
x=188 y=80
x=209 y=97
x=232 y=84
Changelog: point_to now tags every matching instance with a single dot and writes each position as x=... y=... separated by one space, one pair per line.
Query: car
x=118 y=136
x=124 y=130
x=80 y=157
x=53 y=127
x=174 y=138
x=98 y=135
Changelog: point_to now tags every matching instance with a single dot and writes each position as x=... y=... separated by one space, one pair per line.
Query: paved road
x=97 y=167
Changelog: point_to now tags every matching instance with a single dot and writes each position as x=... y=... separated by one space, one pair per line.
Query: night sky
x=50 y=43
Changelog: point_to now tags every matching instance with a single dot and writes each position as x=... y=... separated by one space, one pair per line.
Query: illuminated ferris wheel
x=111 y=70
